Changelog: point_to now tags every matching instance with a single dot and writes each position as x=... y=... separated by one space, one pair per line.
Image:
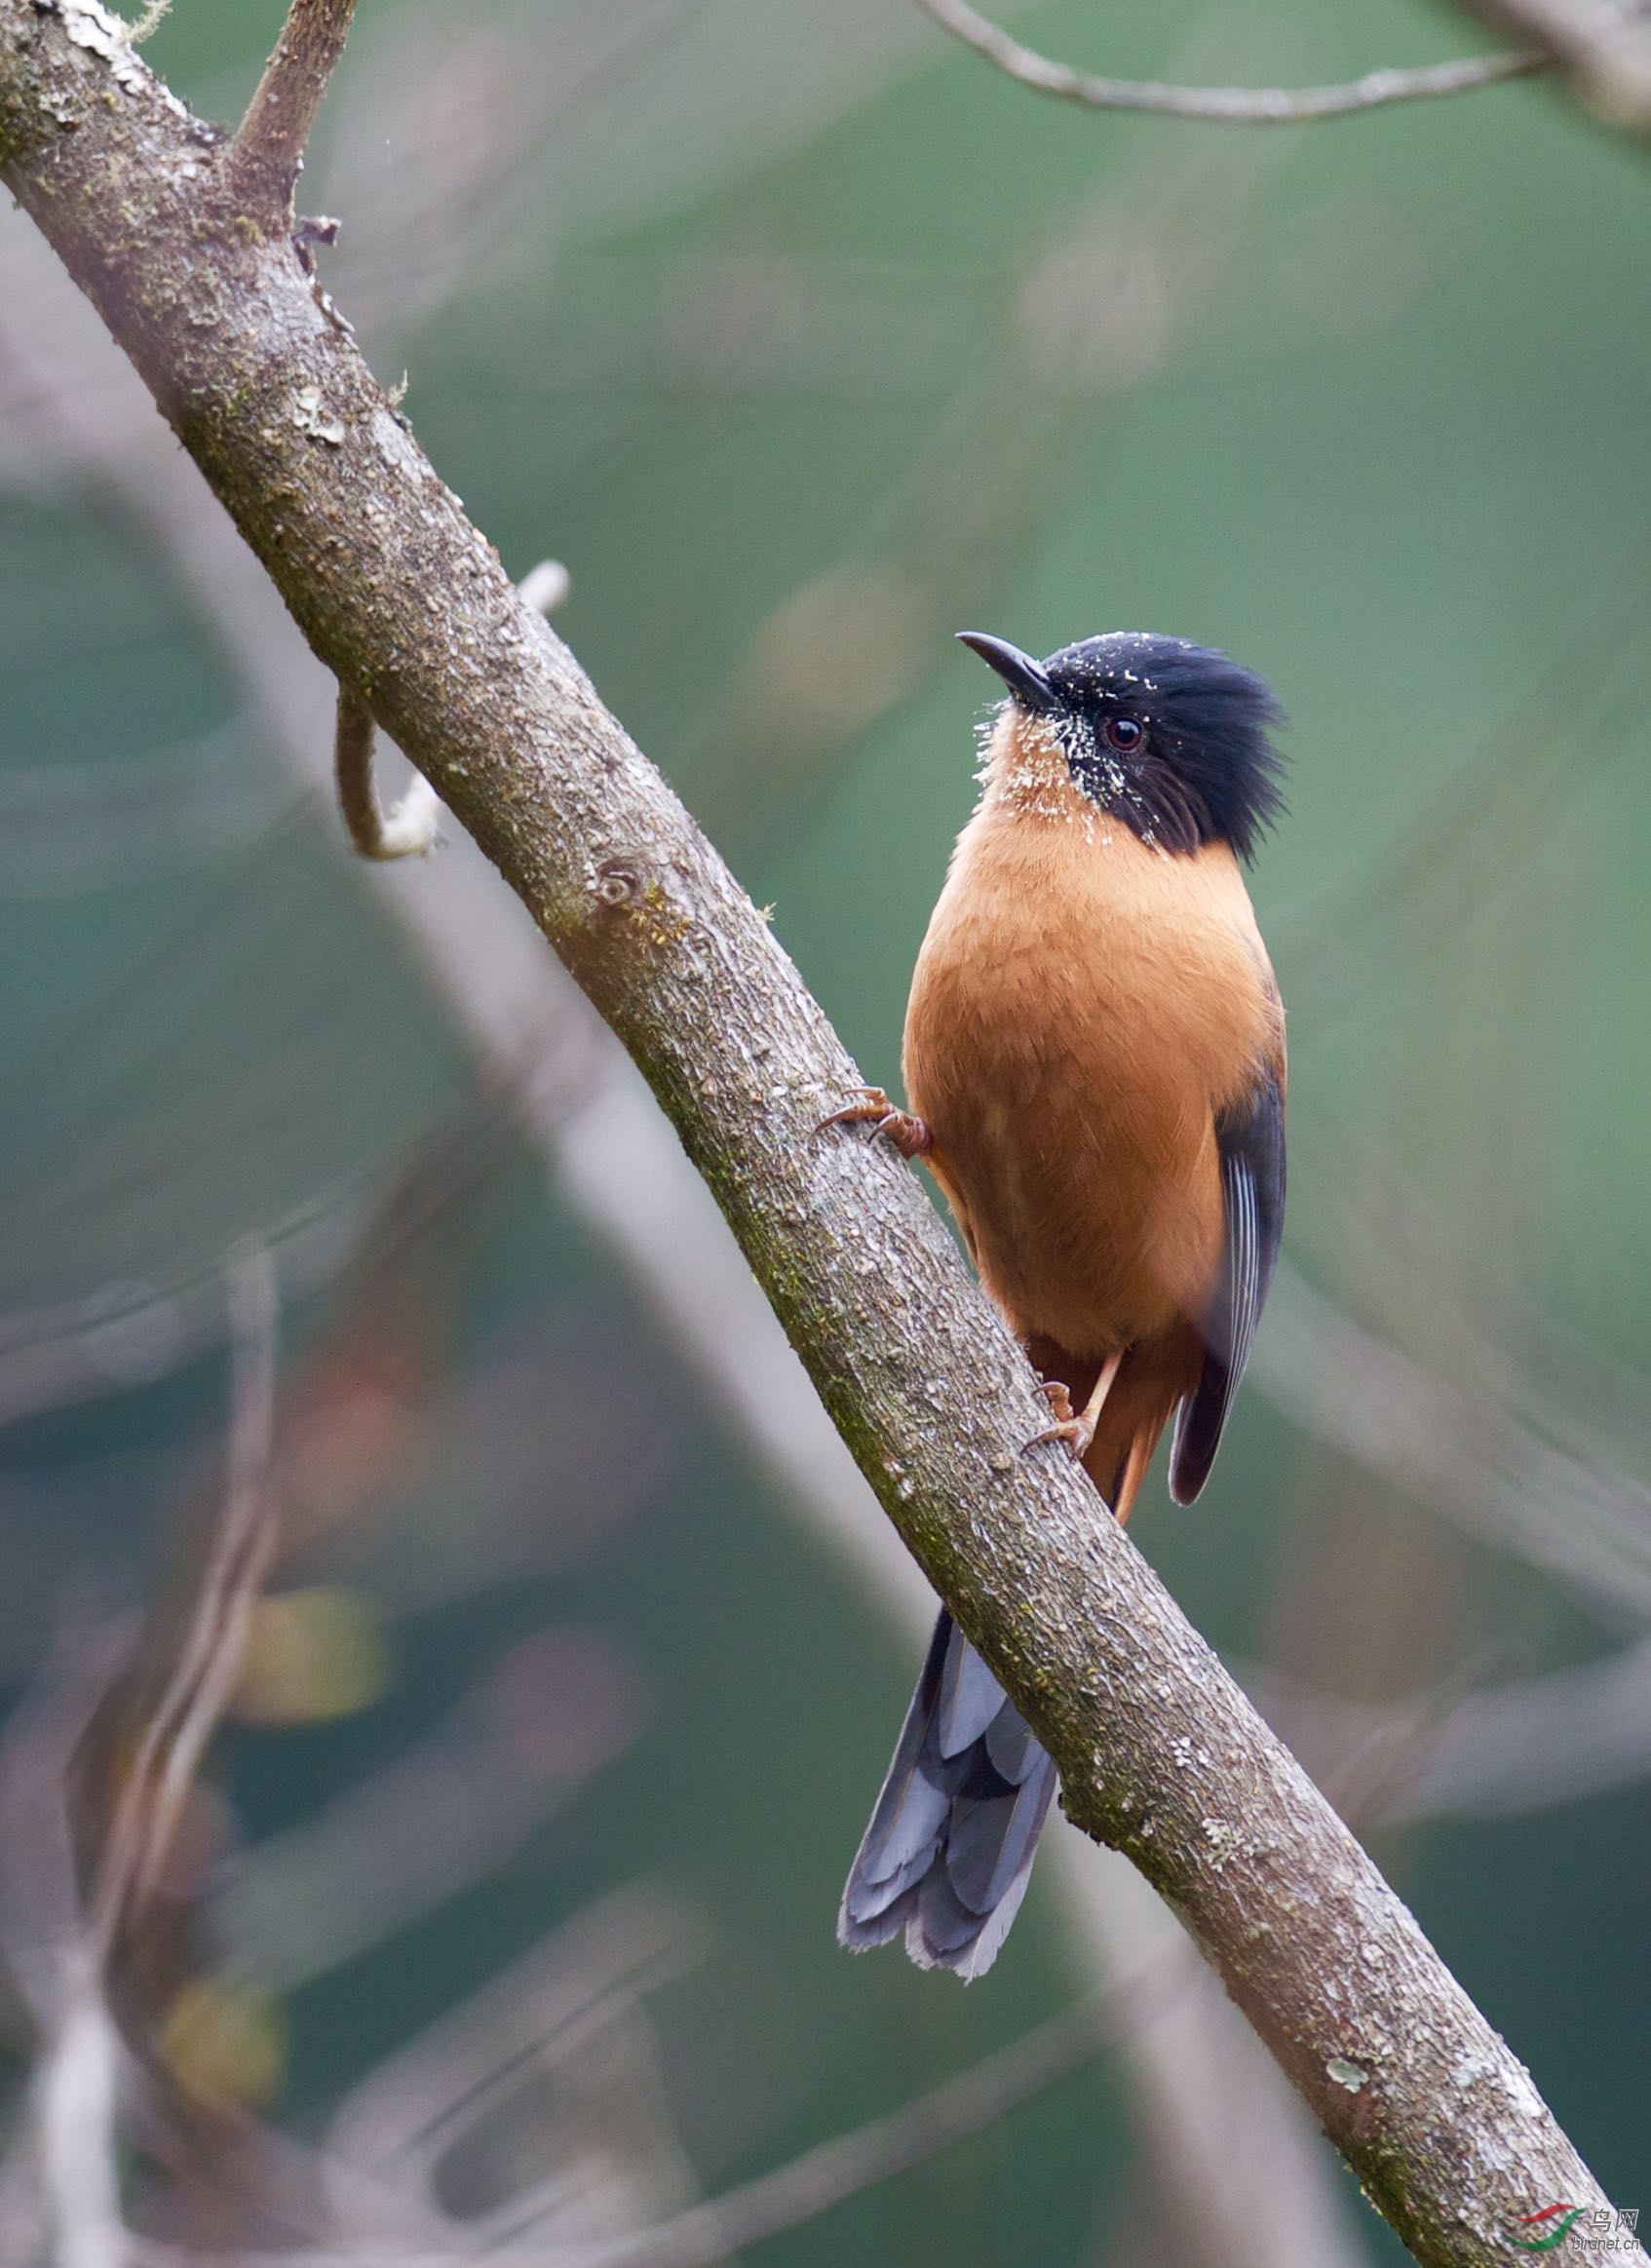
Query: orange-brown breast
x=1083 y=1006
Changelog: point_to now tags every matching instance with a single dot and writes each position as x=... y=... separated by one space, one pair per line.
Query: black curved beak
x=1024 y=676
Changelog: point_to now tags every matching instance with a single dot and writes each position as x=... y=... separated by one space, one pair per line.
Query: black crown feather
x=1205 y=770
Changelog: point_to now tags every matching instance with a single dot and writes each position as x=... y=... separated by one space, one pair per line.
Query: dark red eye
x=1124 y=734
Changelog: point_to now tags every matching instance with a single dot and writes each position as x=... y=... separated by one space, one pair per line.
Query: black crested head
x=1173 y=738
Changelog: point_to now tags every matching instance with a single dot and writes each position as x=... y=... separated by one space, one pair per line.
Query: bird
x=1093 y=1060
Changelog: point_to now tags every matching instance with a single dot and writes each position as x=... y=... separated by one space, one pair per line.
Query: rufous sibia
x=1095 y=1064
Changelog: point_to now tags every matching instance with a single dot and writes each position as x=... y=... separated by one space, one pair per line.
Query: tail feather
x=970 y=1698
x=949 y=1850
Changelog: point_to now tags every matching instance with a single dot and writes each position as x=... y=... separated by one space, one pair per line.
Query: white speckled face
x=1025 y=766
x=1118 y=781
x=1169 y=738
x=1050 y=768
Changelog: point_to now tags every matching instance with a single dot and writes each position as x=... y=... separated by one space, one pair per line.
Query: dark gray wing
x=1251 y=1140
x=949 y=1849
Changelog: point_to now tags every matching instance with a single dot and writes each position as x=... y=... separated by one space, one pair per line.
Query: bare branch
x=1489 y=1752
x=1160 y=1755
x=398 y=2122
x=209 y=1655
x=79 y=2151
x=808 y=2185
x=811 y=2184
x=1228 y=105
x=408 y=828
x=398 y=1843
x=267 y=154
x=80 y=2072
x=1603 y=48
x=1471 y=1458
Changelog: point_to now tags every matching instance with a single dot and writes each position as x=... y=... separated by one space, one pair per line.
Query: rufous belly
x=1083 y=1006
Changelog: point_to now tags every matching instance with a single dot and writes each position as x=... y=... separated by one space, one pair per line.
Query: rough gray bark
x=267 y=154
x=1160 y=1754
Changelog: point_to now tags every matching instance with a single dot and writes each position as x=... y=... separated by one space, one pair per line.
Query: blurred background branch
x=1226 y=105
x=1604 y=47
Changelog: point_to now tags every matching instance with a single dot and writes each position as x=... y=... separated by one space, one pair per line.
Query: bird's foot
x=1068 y=1427
x=909 y=1135
x=1076 y=1431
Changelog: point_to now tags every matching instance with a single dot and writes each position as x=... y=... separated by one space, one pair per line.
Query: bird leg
x=909 y=1135
x=1077 y=1431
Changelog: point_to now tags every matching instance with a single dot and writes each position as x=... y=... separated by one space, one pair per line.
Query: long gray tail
x=950 y=1845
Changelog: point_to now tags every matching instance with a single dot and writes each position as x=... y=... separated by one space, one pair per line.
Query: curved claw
x=908 y=1134
x=1076 y=1432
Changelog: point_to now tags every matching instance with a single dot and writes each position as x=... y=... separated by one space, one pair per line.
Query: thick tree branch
x=1227 y=105
x=1159 y=1752
x=267 y=154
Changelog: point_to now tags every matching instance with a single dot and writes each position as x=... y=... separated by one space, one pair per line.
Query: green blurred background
x=804 y=339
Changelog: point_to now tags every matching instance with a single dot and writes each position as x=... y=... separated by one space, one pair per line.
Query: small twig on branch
x=1226 y=105
x=146 y=25
x=267 y=154
x=407 y=829
x=546 y=586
